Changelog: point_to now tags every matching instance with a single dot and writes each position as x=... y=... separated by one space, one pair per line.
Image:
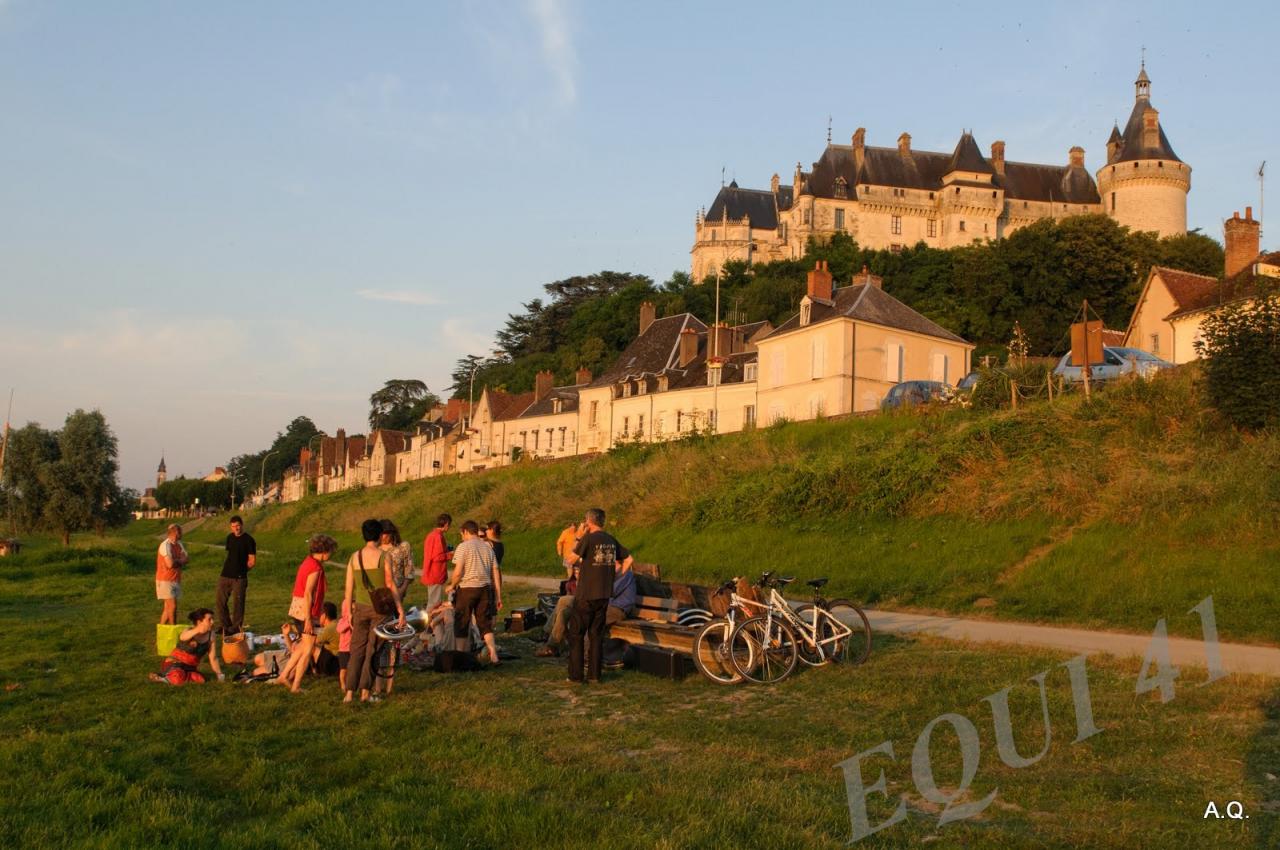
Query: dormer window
x=626 y=390
x=842 y=188
x=806 y=311
x=662 y=383
x=713 y=375
x=749 y=371
x=557 y=406
x=642 y=386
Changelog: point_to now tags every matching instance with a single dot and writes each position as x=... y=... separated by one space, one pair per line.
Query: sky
x=216 y=217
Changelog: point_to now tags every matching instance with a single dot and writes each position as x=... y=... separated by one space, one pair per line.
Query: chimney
x=542 y=384
x=904 y=144
x=688 y=346
x=582 y=376
x=773 y=183
x=1242 y=242
x=997 y=156
x=721 y=343
x=820 y=282
x=868 y=278
x=859 y=143
x=647 y=314
x=1150 y=128
x=1076 y=157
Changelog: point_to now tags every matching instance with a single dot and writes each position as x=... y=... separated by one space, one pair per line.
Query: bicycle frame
x=808 y=632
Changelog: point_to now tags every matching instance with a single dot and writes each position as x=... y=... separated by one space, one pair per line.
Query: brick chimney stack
x=997 y=156
x=720 y=342
x=583 y=375
x=1242 y=242
x=904 y=144
x=647 y=314
x=773 y=183
x=1150 y=128
x=868 y=278
x=1076 y=157
x=542 y=383
x=859 y=142
x=820 y=282
x=688 y=346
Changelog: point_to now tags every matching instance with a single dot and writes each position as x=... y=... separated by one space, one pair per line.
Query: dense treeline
x=1037 y=277
x=66 y=480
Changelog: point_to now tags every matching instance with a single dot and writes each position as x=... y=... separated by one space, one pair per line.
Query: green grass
x=95 y=756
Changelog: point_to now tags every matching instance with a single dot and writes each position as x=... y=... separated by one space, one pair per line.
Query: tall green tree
x=268 y=466
x=400 y=404
x=30 y=448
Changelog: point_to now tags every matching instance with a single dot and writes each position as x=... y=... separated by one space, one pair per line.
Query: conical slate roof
x=967 y=157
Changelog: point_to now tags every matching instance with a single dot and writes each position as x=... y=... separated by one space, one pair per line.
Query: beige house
x=893 y=197
x=1167 y=318
x=847 y=347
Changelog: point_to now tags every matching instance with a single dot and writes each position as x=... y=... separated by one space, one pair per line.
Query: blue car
x=909 y=393
x=1116 y=362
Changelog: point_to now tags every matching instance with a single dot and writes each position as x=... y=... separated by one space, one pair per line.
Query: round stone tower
x=1144 y=185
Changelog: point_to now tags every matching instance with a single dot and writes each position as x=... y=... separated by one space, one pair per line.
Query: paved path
x=1236 y=657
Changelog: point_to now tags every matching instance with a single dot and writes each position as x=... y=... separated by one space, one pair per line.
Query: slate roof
x=868 y=303
x=695 y=374
x=508 y=406
x=1131 y=147
x=759 y=204
x=568 y=397
x=652 y=351
x=920 y=169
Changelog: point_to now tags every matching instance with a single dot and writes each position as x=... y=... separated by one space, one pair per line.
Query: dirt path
x=1183 y=652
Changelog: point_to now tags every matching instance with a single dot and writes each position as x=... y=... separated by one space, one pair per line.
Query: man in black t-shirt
x=600 y=558
x=242 y=554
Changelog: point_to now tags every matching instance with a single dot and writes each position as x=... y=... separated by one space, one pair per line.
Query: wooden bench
x=653 y=623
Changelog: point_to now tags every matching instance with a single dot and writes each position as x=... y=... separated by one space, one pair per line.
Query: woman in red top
x=304 y=611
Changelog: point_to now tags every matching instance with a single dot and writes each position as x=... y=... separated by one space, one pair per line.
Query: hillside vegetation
x=1106 y=513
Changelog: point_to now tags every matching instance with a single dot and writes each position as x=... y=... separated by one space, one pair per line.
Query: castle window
x=842 y=188
x=895 y=248
x=839 y=219
x=931 y=196
x=957 y=190
x=962 y=225
x=807 y=214
x=1159 y=165
x=932 y=225
x=1135 y=165
x=895 y=225
x=985 y=228
x=1113 y=201
x=993 y=194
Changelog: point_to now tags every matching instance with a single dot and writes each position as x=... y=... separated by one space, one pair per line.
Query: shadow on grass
x=1262 y=773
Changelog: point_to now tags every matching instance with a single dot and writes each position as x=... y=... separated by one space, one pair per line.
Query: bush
x=992 y=390
x=1241 y=348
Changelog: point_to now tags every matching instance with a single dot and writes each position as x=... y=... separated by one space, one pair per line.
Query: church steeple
x=160 y=471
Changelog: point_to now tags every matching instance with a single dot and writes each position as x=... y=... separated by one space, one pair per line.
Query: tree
x=283 y=453
x=30 y=448
x=1240 y=345
x=400 y=404
x=79 y=483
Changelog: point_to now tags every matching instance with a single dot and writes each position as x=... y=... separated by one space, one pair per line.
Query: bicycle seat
x=816 y=583
x=783 y=581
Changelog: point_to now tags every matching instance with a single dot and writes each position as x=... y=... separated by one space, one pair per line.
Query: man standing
x=435 y=560
x=474 y=576
x=600 y=557
x=242 y=555
x=170 y=559
x=564 y=548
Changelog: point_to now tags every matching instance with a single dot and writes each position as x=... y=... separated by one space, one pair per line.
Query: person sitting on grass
x=183 y=664
x=267 y=664
x=325 y=655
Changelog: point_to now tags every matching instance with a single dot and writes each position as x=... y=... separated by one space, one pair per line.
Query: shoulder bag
x=384 y=601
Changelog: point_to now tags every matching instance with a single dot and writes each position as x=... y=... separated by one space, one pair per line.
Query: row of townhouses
x=840 y=354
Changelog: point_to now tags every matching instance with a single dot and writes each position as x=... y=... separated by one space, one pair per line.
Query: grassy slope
x=1103 y=515
x=94 y=756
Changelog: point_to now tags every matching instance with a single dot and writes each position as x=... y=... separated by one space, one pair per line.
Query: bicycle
x=711 y=645
x=857 y=647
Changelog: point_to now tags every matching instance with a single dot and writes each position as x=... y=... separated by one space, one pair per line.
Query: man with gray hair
x=600 y=558
x=171 y=557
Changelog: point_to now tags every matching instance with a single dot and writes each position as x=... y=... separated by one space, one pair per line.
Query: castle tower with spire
x=1144 y=185
x=160 y=473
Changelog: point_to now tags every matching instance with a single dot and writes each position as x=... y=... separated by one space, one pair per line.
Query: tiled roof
x=507 y=406
x=652 y=351
x=392 y=441
x=1190 y=292
x=1112 y=338
x=867 y=303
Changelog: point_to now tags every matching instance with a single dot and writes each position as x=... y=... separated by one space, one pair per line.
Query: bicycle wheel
x=711 y=653
x=832 y=650
x=853 y=617
x=763 y=651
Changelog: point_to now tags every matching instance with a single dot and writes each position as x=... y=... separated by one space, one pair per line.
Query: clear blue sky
x=215 y=217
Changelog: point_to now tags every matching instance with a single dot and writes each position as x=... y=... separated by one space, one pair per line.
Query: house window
x=640 y=425
x=591 y=418
x=1155 y=343
x=557 y=406
x=749 y=416
x=642 y=386
x=679 y=421
x=562 y=439
x=932 y=225
x=626 y=390
x=777 y=368
x=818 y=361
x=713 y=376
x=895 y=225
x=895 y=247
x=941 y=368
x=749 y=372
x=962 y=225
x=626 y=425
x=839 y=219
x=894 y=362
x=657 y=426
x=535 y=440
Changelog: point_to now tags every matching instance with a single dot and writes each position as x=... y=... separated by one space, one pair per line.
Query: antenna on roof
x=722 y=177
x=1143 y=61
x=1262 y=187
x=828 y=128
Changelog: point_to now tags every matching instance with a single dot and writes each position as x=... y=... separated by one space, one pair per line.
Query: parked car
x=909 y=393
x=968 y=382
x=1117 y=362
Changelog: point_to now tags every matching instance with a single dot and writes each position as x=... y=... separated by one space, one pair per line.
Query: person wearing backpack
x=372 y=597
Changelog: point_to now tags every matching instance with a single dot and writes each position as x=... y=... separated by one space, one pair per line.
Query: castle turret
x=1144 y=185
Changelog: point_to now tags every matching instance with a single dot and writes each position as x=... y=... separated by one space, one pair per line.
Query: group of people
x=322 y=638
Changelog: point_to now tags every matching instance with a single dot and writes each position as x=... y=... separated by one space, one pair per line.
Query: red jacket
x=435 y=558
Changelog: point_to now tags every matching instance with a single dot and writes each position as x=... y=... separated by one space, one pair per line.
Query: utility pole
x=4 y=449
x=1087 y=367
x=262 y=477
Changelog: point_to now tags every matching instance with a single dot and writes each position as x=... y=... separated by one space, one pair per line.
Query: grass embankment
x=1104 y=514
x=92 y=755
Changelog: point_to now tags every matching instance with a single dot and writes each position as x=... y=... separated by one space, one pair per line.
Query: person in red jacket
x=436 y=552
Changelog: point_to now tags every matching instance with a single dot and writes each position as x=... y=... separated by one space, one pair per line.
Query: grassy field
x=1103 y=515
x=95 y=756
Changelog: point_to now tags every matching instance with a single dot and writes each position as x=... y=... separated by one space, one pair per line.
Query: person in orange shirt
x=171 y=557
x=435 y=560
x=565 y=544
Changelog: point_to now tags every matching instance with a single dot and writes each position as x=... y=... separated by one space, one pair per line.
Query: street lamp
x=262 y=477
x=471 y=392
